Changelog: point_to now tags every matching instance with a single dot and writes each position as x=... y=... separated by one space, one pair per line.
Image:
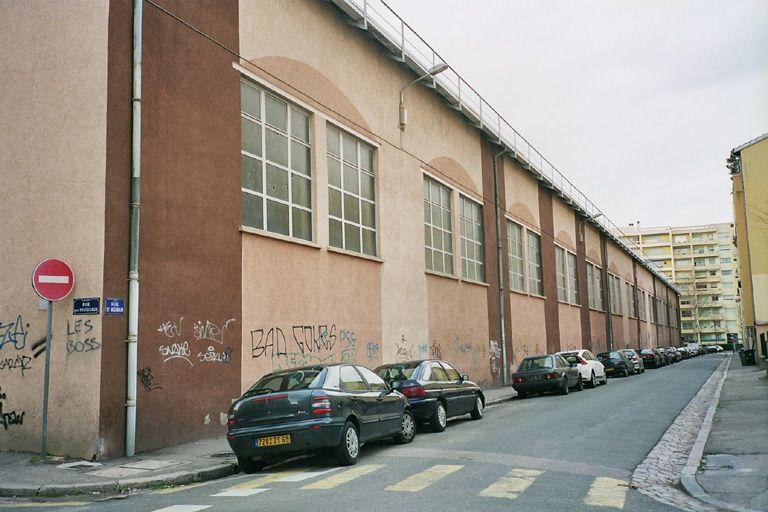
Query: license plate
x=609 y=370
x=273 y=440
x=534 y=377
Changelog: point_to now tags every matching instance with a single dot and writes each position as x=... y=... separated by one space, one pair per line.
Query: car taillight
x=518 y=380
x=231 y=417
x=414 y=391
x=320 y=405
x=552 y=376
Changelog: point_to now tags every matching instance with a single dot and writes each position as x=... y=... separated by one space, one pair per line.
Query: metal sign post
x=48 y=322
x=52 y=280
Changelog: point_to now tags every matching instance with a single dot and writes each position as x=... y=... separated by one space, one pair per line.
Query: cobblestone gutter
x=658 y=476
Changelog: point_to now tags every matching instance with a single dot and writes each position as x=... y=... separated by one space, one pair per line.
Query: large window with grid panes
x=516 y=255
x=630 y=299
x=472 y=258
x=641 y=312
x=595 y=286
x=533 y=241
x=276 y=175
x=614 y=290
x=351 y=192
x=438 y=227
x=565 y=269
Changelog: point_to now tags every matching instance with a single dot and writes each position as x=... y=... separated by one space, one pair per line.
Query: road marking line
x=53 y=279
x=171 y=490
x=306 y=475
x=512 y=485
x=607 y=492
x=47 y=504
x=424 y=479
x=342 y=478
x=238 y=493
x=266 y=478
x=183 y=508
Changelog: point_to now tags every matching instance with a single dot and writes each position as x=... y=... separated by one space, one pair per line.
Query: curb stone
x=178 y=478
x=688 y=475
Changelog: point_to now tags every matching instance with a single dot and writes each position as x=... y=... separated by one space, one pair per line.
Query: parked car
x=651 y=358
x=317 y=407
x=537 y=374
x=665 y=358
x=592 y=371
x=674 y=354
x=637 y=362
x=684 y=354
x=436 y=391
x=616 y=363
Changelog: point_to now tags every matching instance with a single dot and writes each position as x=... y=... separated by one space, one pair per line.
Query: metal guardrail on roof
x=405 y=45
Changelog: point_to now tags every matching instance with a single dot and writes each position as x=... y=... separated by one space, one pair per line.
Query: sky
x=638 y=103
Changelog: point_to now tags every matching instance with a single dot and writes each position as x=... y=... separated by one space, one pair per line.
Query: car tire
x=407 y=429
x=477 y=412
x=592 y=381
x=439 y=419
x=566 y=389
x=626 y=372
x=249 y=466
x=605 y=379
x=522 y=395
x=580 y=384
x=348 y=450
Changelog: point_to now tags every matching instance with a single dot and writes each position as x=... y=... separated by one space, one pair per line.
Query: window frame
x=357 y=197
x=464 y=241
x=531 y=234
x=511 y=258
x=427 y=179
x=263 y=162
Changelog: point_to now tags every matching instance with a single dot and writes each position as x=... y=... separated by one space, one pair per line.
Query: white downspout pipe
x=499 y=266
x=133 y=259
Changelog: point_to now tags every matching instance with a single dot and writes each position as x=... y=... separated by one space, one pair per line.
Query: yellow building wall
x=754 y=166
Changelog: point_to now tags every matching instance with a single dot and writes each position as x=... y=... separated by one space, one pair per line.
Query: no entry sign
x=52 y=279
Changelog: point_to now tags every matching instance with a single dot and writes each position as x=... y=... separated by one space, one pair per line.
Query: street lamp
x=590 y=218
x=436 y=69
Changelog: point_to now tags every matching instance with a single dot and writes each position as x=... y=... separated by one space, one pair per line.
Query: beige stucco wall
x=620 y=264
x=754 y=164
x=570 y=326
x=592 y=243
x=52 y=168
x=360 y=93
x=529 y=335
x=521 y=191
x=564 y=224
x=647 y=329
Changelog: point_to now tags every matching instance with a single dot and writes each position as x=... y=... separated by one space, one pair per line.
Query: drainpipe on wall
x=133 y=258
x=637 y=306
x=500 y=269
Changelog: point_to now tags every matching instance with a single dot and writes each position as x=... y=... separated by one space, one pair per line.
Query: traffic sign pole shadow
x=44 y=435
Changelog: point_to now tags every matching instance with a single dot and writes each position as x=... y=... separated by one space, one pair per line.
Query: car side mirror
x=465 y=377
x=384 y=393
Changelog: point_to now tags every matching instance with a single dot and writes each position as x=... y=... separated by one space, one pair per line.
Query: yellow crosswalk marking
x=262 y=480
x=512 y=485
x=424 y=479
x=607 y=492
x=171 y=490
x=344 y=477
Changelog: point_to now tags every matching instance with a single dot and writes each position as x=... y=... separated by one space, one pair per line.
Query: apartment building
x=748 y=165
x=287 y=202
x=702 y=262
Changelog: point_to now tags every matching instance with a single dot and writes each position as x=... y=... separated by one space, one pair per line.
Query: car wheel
x=477 y=412
x=605 y=379
x=249 y=466
x=439 y=418
x=407 y=429
x=592 y=381
x=522 y=395
x=348 y=451
x=566 y=389
x=626 y=372
x=580 y=384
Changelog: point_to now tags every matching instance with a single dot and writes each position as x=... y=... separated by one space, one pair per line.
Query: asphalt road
x=574 y=452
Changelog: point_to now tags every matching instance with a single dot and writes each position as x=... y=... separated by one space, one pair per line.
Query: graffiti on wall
x=79 y=337
x=14 y=333
x=308 y=343
x=9 y=418
x=494 y=354
x=206 y=332
x=19 y=363
x=148 y=380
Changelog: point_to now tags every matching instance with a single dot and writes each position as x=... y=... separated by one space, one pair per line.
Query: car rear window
x=646 y=351
x=293 y=380
x=615 y=357
x=534 y=363
x=395 y=372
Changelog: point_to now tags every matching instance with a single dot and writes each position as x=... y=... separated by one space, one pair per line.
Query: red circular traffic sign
x=52 y=279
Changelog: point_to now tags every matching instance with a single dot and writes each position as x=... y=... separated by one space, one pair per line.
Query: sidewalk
x=21 y=475
x=735 y=465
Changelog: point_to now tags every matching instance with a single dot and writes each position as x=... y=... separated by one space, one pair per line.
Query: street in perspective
x=311 y=254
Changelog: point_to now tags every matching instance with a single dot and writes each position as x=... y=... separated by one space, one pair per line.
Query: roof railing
x=407 y=46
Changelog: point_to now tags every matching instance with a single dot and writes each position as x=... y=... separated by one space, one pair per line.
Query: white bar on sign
x=53 y=279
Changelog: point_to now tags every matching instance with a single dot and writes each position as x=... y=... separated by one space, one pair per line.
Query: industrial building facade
x=748 y=165
x=288 y=216
x=703 y=263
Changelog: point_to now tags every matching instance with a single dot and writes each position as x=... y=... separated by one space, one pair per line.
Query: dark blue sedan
x=316 y=407
x=435 y=390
